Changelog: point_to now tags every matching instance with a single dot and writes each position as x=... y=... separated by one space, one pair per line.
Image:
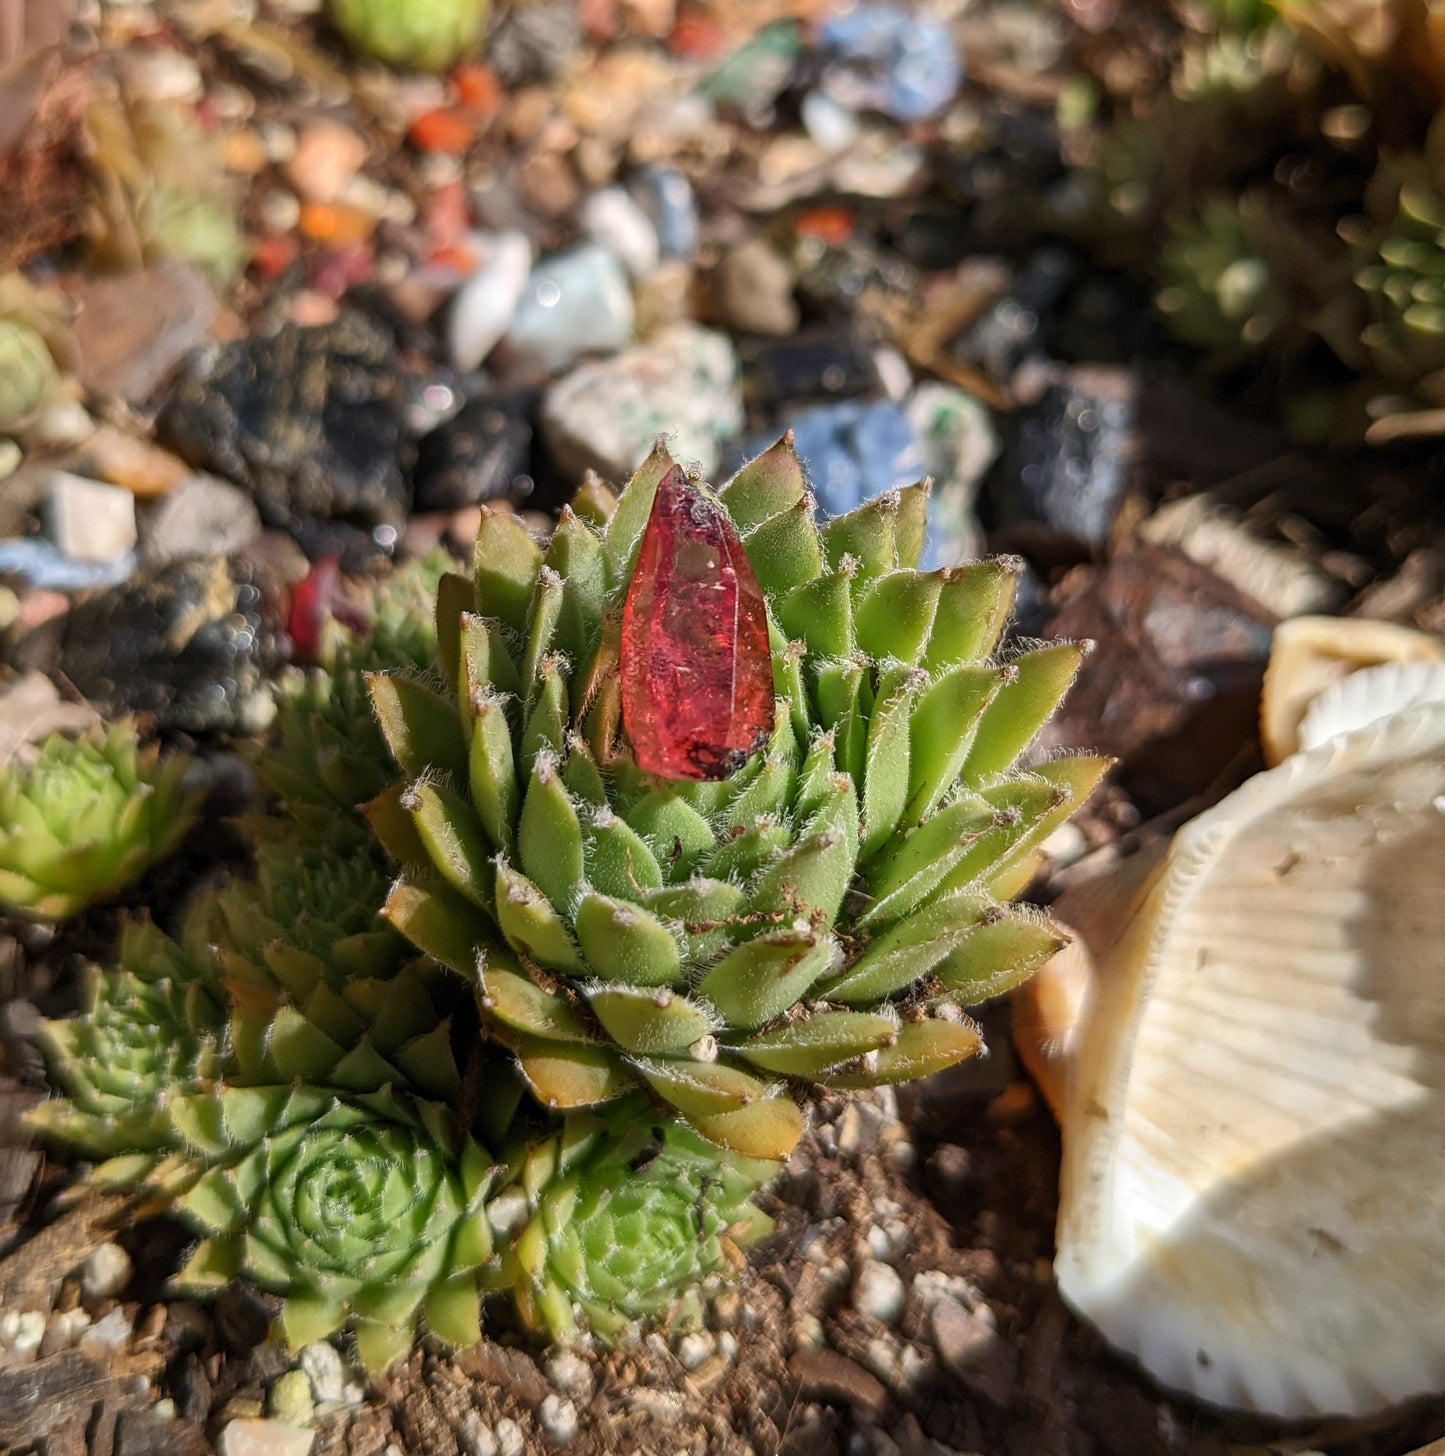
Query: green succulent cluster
x=654 y=976
x=85 y=818
x=1401 y=268
x=421 y=35
x=820 y=916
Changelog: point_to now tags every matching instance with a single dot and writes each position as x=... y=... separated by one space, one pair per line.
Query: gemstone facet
x=695 y=666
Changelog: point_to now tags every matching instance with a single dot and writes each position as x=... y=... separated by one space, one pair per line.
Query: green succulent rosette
x=625 y=1212
x=365 y=1209
x=85 y=818
x=821 y=915
x=151 y=1030
x=421 y=35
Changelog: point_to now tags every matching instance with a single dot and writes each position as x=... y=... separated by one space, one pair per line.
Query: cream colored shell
x=1253 y=1188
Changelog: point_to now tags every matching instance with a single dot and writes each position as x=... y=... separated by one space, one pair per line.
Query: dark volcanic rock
x=482 y=453
x=309 y=420
x=188 y=645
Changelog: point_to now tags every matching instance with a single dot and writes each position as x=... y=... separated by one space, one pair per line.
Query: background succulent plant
x=85 y=818
x=819 y=915
x=422 y=35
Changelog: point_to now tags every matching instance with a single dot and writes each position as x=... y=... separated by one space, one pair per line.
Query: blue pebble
x=881 y=58
x=39 y=563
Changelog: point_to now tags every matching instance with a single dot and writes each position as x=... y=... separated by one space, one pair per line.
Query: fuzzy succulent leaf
x=87 y=817
x=667 y=925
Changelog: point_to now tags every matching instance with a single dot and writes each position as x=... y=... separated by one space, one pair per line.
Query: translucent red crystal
x=695 y=666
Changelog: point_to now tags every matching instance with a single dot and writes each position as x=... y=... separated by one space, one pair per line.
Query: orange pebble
x=696 y=38
x=478 y=89
x=442 y=130
x=454 y=256
x=830 y=225
x=336 y=224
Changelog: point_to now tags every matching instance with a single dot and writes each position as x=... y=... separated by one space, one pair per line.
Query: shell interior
x=1253 y=1199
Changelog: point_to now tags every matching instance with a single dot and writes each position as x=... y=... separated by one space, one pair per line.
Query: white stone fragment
x=89 y=521
x=105 y=1272
x=878 y=1291
x=559 y=1419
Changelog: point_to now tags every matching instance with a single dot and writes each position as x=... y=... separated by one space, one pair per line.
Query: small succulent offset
x=634 y=929
x=86 y=818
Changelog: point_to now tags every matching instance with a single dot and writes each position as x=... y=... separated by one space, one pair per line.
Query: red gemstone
x=696 y=669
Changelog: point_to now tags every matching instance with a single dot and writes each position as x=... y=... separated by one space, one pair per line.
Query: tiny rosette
x=364 y=1209
x=85 y=818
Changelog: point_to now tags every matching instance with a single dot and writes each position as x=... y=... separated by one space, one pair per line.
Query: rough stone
x=973 y=1350
x=188 y=643
x=132 y=331
x=481 y=454
x=510 y=1440
x=105 y=1272
x=825 y=1375
x=604 y=416
x=203 y=516
x=570 y=1374
x=752 y=290
x=310 y=421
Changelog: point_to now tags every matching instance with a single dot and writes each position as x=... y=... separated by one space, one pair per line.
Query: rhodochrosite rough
x=697 y=674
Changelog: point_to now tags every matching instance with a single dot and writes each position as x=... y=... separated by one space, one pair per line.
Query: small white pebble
x=569 y=1373
x=510 y=1441
x=559 y=1419
x=105 y=1272
x=109 y=1333
x=164 y=1409
x=476 y=1437
x=28 y=1331
x=393 y=1450
x=248 y=1437
x=879 y=1244
x=878 y=1291
x=323 y=1366
x=694 y=1349
x=727 y=1345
